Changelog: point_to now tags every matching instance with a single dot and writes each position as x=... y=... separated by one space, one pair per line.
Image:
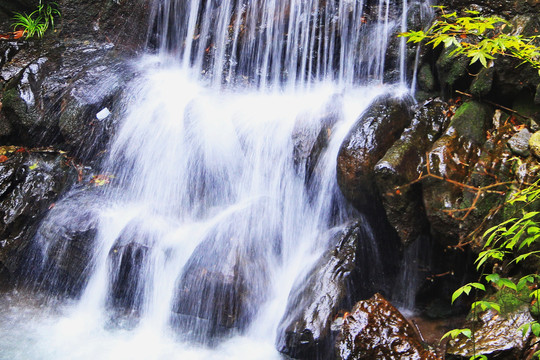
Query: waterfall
x=207 y=222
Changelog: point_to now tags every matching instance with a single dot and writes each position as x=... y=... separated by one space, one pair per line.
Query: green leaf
x=467 y=289
x=503 y=282
x=484 y=305
x=456 y=332
x=493 y=277
x=479 y=357
x=524 y=281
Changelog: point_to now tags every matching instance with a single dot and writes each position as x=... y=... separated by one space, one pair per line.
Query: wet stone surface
x=376 y=330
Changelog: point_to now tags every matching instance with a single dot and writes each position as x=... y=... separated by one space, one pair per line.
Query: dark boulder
x=117 y=21
x=341 y=276
x=373 y=134
x=68 y=94
x=62 y=251
x=226 y=277
x=452 y=70
x=488 y=7
x=403 y=163
x=376 y=330
x=454 y=156
x=30 y=182
x=309 y=141
x=215 y=297
x=128 y=262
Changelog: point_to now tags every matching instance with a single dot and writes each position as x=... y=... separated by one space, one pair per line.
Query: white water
x=206 y=184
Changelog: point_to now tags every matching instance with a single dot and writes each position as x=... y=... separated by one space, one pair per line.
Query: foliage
x=510 y=242
x=479 y=38
x=37 y=22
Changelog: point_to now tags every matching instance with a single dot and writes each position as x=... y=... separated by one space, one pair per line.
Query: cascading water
x=208 y=222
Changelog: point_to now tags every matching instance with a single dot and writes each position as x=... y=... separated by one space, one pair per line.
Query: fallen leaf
x=100 y=180
x=3 y=158
x=34 y=166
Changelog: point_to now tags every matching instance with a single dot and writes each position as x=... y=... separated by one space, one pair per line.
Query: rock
x=8 y=50
x=402 y=164
x=534 y=144
x=495 y=335
x=214 y=298
x=128 y=264
x=512 y=81
x=451 y=69
x=519 y=143
x=426 y=80
x=483 y=82
x=334 y=283
x=29 y=183
x=62 y=251
x=454 y=156
x=118 y=21
x=377 y=330
x=54 y=99
x=373 y=134
x=310 y=142
x=487 y=7
x=322 y=141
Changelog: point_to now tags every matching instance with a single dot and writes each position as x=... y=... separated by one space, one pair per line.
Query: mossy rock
x=426 y=80
x=451 y=68
x=483 y=82
x=471 y=120
x=534 y=144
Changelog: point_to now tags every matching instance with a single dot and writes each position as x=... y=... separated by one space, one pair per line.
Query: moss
x=509 y=300
x=451 y=68
x=426 y=80
x=471 y=120
x=483 y=82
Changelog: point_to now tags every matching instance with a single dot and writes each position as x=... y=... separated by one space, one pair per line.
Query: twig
x=418 y=331
x=498 y=106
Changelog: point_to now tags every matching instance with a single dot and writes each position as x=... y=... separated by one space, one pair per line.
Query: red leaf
x=3 y=158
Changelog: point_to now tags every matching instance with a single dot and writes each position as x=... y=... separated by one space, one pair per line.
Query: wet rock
x=310 y=142
x=534 y=144
x=426 y=80
x=377 y=330
x=495 y=335
x=216 y=297
x=54 y=99
x=8 y=50
x=451 y=69
x=483 y=82
x=454 y=156
x=213 y=297
x=519 y=143
x=334 y=283
x=29 y=184
x=504 y=7
x=322 y=141
x=118 y=21
x=367 y=142
x=128 y=265
x=403 y=163
x=62 y=251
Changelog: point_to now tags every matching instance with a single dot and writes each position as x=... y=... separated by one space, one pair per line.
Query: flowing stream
x=208 y=221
